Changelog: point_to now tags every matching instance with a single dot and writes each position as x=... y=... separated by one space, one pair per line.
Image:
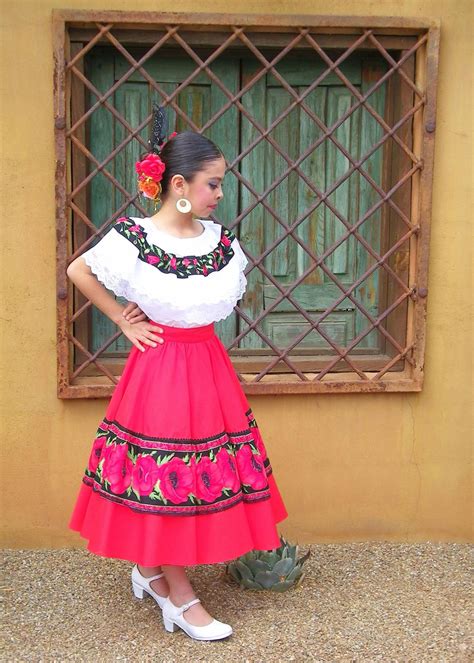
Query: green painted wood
x=131 y=101
x=292 y=197
x=298 y=72
x=252 y=167
x=225 y=133
x=101 y=127
x=311 y=230
x=368 y=293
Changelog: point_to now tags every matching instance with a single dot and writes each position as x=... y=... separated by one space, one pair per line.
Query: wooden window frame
x=401 y=372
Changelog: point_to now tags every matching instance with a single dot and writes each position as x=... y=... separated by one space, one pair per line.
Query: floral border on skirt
x=178 y=476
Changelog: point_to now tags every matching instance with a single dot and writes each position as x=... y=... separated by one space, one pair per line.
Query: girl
x=178 y=473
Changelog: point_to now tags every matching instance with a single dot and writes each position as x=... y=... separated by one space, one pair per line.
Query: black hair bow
x=159 y=128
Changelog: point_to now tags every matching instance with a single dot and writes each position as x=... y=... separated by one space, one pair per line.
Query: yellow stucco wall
x=350 y=467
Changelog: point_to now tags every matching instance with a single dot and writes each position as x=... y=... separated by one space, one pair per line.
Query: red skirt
x=178 y=472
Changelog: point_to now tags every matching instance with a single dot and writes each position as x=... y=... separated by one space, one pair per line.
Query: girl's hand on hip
x=142 y=333
x=133 y=313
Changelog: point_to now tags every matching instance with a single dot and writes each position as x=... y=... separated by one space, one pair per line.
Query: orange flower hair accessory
x=150 y=172
x=151 y=168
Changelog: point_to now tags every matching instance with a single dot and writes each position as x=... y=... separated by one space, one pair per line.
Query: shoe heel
x=138 y=591
x=169 y=625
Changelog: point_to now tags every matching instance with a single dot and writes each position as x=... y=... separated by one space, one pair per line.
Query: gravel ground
x=357 y=602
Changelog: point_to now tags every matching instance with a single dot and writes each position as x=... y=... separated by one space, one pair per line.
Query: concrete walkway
x=357 y=602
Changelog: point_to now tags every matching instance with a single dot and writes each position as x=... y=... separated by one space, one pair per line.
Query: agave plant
x=277 y=569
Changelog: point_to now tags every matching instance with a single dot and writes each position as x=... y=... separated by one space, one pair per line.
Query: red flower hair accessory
x=151 y=168
x=150 y=172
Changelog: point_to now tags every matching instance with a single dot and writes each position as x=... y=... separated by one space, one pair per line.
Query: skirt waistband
x=186 y=334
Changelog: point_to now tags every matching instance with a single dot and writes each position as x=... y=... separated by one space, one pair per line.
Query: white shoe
x=141 y=585
x=173 y=617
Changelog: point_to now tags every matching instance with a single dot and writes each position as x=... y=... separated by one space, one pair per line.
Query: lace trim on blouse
x=123 y=260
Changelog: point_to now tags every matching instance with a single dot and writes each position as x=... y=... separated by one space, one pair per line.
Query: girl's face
x=205 y=191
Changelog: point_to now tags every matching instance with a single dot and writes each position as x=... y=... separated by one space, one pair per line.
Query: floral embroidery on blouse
x=167 y=262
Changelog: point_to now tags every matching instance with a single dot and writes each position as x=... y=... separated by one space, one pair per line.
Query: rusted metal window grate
x=328 y=129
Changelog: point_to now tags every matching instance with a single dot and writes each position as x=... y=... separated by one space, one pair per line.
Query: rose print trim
x=170 y=444
x=112 y=434
x=106 y=422
x=177 y=511
x=255 y=431
x=177 y=479
x=110 y=456
x=154 y=480
x=120 y=472
x=196 y=445
x=168 y=263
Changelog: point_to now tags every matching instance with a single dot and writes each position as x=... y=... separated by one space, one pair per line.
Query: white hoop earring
x=183 y=205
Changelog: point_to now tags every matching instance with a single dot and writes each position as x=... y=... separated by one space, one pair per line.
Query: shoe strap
x=160 y=575
x=185 y=606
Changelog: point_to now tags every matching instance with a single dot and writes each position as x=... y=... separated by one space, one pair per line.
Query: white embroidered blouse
x=181 y=282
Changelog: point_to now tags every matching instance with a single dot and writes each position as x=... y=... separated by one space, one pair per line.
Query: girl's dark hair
x=186 y=154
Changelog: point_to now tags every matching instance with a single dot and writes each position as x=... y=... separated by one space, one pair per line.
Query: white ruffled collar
x=197 y=245
x=177 y=281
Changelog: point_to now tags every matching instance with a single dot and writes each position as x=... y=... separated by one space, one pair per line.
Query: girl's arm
x=84 y=279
